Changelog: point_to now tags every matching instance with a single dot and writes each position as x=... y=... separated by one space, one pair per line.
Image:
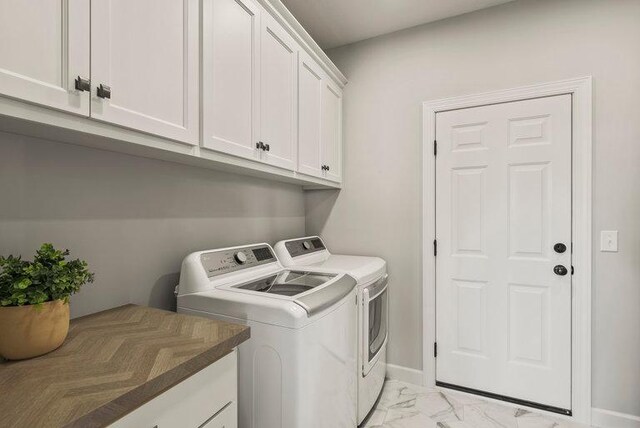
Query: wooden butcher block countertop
x=111 y=363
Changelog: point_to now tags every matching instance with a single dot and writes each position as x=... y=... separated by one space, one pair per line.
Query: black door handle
x=560 y=270
x=560 y=248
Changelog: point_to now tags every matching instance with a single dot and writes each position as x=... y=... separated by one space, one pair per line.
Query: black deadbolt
x=560 y=270
x=560 y=247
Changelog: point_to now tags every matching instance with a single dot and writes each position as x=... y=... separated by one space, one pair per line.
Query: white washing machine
x=298 y=367
x=371 y=275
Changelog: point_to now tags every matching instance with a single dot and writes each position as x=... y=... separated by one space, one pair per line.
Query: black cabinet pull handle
x=104 y=91
x=266 y=147
x=82 y=84
x=328 y=167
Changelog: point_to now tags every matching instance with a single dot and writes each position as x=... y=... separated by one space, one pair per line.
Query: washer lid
x=315 y=255
x=326 y=296
x=363 y=269
x=313 y=291
x=293 y=311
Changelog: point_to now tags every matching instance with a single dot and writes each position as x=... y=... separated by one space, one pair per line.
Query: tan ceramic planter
x=28 y=331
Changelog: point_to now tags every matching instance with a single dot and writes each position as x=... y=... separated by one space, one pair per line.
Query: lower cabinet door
x=227 y=418
x=197 y=401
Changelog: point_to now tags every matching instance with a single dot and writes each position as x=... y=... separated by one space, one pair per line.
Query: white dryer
x=371 y=275
x=298 y=367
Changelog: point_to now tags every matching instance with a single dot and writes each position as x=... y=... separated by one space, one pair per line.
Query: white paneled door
x=503 y=265
x=144 y=66
x=44 y=49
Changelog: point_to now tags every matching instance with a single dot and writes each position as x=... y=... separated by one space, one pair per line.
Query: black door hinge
x=435 y=247
x=435 y=148
x=435 y=349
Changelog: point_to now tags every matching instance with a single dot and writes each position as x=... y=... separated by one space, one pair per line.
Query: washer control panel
x=225 y=261
x=299 y=247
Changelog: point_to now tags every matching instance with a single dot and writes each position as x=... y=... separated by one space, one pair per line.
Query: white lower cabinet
x=206 y=399
x=227 y=418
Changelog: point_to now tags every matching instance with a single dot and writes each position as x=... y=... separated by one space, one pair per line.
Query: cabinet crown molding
x=280 y=12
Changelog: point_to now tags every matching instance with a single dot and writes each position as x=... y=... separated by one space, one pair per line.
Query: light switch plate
x=609 y=240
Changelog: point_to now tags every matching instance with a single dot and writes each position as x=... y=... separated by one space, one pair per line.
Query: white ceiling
x=339 y=22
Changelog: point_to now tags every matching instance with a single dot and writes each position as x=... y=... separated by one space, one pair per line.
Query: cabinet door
x=231 y=38
x=278 y=94
x=332 y=131
x=207 y=396
x=147 y=52
x=309 y=116
x=45 y=46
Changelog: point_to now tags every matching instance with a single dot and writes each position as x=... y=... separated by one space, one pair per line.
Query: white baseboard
x=609 y=419
x=404 y=374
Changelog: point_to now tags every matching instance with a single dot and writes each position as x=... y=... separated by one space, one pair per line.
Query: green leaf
x=23 y=283
x=49 y=276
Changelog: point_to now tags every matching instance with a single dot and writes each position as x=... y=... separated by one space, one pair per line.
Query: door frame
x=581 y=186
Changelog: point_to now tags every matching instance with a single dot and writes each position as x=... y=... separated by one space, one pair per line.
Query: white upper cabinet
x=217 y=82
x=332 y=131
x=230 y=76
x=44 y=48
x=310 y=83
x=278 y=94
x=144 y=66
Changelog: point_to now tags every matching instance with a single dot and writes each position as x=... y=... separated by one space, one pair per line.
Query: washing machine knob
x=306 y=245
x=240 y=257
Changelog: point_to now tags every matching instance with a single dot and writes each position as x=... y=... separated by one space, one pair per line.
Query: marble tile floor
x=403 y=405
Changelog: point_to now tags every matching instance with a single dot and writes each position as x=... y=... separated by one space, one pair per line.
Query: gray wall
x=520 y=43
x=133 y=219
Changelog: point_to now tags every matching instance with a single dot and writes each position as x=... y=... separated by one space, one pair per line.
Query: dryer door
x=375 y=323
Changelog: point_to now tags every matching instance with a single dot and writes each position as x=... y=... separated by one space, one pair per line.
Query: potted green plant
x=34 y=301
